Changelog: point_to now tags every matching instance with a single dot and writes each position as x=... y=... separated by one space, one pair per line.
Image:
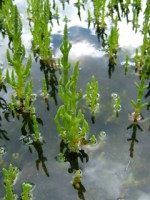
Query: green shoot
x=116 y=103
x=113 y=41
x=65 y=49
x=126 y=66
x=138 y=105
x=76 y=179
x=92 y=96
x=36 y=130
x=17 y=78
x=10 y=176
x=44 y=89
x=26 y=193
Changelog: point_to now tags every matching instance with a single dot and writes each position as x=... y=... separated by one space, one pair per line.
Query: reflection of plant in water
x=41 y=158
x=30 y=121
x=5 y=110
x=50 y=80
x=78 y=5
x=3 y=133
x=66 y=155
x=77 y=183
x=133 y=138
x=147 y=95
x=72 y=157
x=33 y=138
x=113 y=5
x=92 y=96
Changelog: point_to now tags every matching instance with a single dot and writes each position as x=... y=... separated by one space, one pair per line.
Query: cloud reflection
x=105 y=178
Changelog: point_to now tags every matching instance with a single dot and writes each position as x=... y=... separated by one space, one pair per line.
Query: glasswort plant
x=92 y=96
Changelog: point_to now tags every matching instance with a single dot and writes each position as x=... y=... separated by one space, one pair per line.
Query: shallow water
x=110 y=172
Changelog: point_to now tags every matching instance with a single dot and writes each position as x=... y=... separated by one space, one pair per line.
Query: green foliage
x=126 y=66
x=44 y=88
x=17 y=78
x=99 y=19
x=10 y=176
x=65 y=49
x=113 y=40
x=36 y=130
x=92 y=95
x=99 y=12
x=116 y=103
x=68 y=94
x=8 y=10
x=76 y=179
x=2 y=82
x=93 y=140
x=9 y=191
x=138 y=105
x=142 y=55
x=70 y=121
x=11 y=173
x=26 y=191
x=40 y=14
x=72 y=128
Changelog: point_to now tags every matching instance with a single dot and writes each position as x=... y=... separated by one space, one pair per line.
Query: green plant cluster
x=98 y=19
x=65 y=47
x=113 y=41
x=70 y=121
x=137 y=104
x=92 y=95
x=17 y=78
x=116 y=103
x=2 y=82
x=39 y=12
x=27 y=188
x=10 y=177
x=8 y=13
x=142 y=58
